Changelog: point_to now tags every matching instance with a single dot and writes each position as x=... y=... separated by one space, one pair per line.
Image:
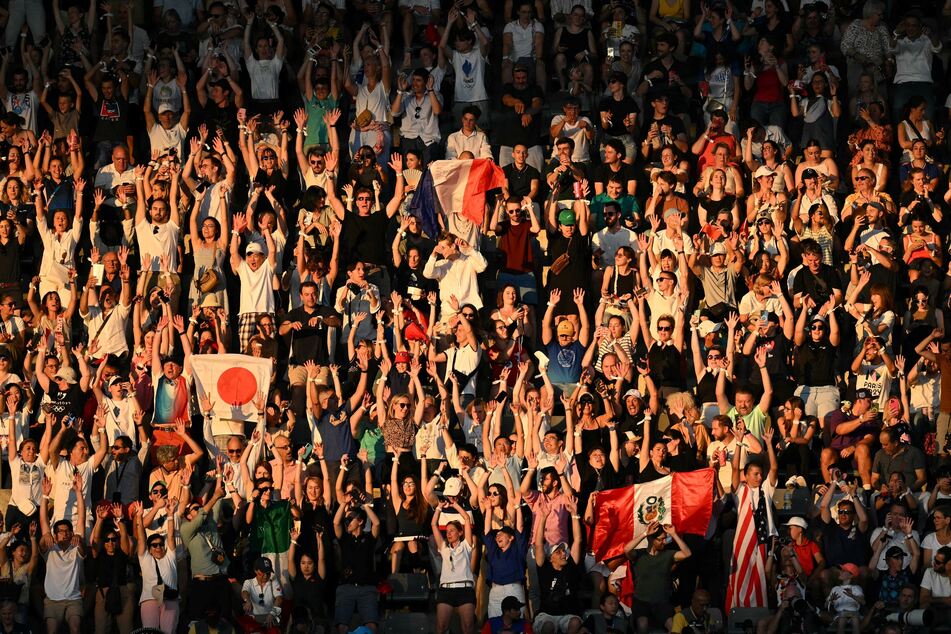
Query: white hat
x=253 y=247
x=707 y=326
x=163 y=108
x=797 y=521
x=763 y=171
x=453 y=487
x=718 y=249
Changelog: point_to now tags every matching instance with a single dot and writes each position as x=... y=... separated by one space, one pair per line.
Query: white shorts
x=560 y=622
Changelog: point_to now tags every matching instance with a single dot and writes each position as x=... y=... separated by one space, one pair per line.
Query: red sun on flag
x=237 y=386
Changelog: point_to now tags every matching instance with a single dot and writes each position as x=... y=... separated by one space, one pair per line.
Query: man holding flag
x=755 y=525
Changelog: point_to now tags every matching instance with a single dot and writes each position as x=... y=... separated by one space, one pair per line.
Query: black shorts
x=456 y=597
x=656 y=613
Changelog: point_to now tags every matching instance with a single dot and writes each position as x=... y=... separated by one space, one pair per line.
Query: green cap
x=566 y=217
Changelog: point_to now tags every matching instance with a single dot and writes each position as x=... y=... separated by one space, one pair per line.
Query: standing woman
x=820 y=228
x=714 y=199
x=59 y=242
x=914 y=126
x=865 y=45
x=371 y=126
x=112 y=551
x=819 y=109
x=158 y=602
x=456 y=591
x=411 y=509
x=209 y=246
x=765 y=78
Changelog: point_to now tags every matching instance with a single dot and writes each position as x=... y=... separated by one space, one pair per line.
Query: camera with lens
x=915 y=618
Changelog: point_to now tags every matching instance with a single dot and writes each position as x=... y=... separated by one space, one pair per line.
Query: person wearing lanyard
x=456 y=591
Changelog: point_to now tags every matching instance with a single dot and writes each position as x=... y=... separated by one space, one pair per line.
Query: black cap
x=809 y=173
x=511 y=603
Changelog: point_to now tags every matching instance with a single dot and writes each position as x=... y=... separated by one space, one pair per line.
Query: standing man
x=521 y=124
x=455 y=264
x=420 y=107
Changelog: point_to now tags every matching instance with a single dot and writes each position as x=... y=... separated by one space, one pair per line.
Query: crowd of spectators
x=721 y=243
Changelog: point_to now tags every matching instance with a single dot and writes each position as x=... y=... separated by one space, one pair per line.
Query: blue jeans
x=819 y=400
x=769 y=112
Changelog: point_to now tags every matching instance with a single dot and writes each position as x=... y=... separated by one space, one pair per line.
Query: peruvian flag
x=455 y=186
x=232 y=382
x=620 y=515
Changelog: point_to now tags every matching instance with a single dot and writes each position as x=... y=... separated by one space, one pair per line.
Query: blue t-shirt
x=564 y=365
x=334 y=428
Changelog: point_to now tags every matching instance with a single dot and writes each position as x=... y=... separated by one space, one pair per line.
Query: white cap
x=797 y=521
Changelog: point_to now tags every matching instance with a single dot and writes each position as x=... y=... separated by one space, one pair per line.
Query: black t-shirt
x=10 y=261
x=309 y=343
x=309 y=592
x=776 y=352
x=678 y=103
x=815 y=363
x=68 y=402
x=520 y=180
x=357 y=557
x=365 y=238
x=625 y=174
x=225 y=119
x=819 y=285
x=511 y=130
x=666 y=366
x=111 y=570
x=112 y=120
x=578 y=272
x=619 y=110
x=565 y=182
x=559 y=588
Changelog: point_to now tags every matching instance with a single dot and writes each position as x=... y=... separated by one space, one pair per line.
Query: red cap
x=401 y=357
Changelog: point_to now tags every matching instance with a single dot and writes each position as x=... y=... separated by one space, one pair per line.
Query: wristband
x=552 y=304
x=260 y=413
x=576 y=517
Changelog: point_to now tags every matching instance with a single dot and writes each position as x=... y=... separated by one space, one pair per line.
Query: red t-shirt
x=806 y=555
x=767 y=86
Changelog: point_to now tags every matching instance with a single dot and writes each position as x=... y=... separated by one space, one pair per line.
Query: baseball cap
x=66 y=374
x=401 y=357
x=253 y=247
x=764 y=171
x=707 y=327
x=566 y=217
x=797 y=521
x=809 y=173
x=634 y=393
x=263 y=564
x=671 y=211
x=565 y=327
x=511 y=603
x=718 y=249
x=863 y=393
x=894 y=551
x=453 y=487
x=852 y=569
x=163 y=108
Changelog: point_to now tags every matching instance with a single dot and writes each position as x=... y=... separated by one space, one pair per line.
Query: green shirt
x=271 y=528
x=629 y=207
x=755 y=421
x=199 y=536
x=316 y=128
x=371 y=439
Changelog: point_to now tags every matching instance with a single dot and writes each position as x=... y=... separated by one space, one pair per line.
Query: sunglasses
x=861 y=178
x=494 y=494
x=845 y=511
x=366 y=198
x=111 y=540
x=264 y=490
x=817 y=328
x=156 y=544
x=418 y=109
x=159 y=491
x=664 y=328
x=401 y=405
x=714 y=357
x=234 y=452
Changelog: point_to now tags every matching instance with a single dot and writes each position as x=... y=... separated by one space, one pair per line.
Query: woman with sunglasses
x=815 y=360
x=874 y=319
x=111 y=547
x=456 y=592
x=820 y=226
x=710 y=358
x=868 y=158
x=765 y=200
x=920 y=320
x=866 y=194
x=158 y=602
x=412 y=512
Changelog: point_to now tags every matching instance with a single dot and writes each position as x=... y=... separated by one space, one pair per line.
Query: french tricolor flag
x=455 y=186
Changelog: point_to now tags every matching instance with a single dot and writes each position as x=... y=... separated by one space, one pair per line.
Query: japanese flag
x=232 y=382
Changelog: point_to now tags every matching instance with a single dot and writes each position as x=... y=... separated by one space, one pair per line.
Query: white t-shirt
x=64 y=496
x=161 y=139
x=265 y=76
x=938 y=585
x=257 y=294
x=470 y=76
x=155 y=241
x=119 y=420
x=262 y=599
x=166 y=566
x=582 y=151
x=27 y=477
x=523 y=38
x=878 y=380
x=24 y=104
x=108 y=330
x=610 y=242
x=63 y=574
x=456 y=563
